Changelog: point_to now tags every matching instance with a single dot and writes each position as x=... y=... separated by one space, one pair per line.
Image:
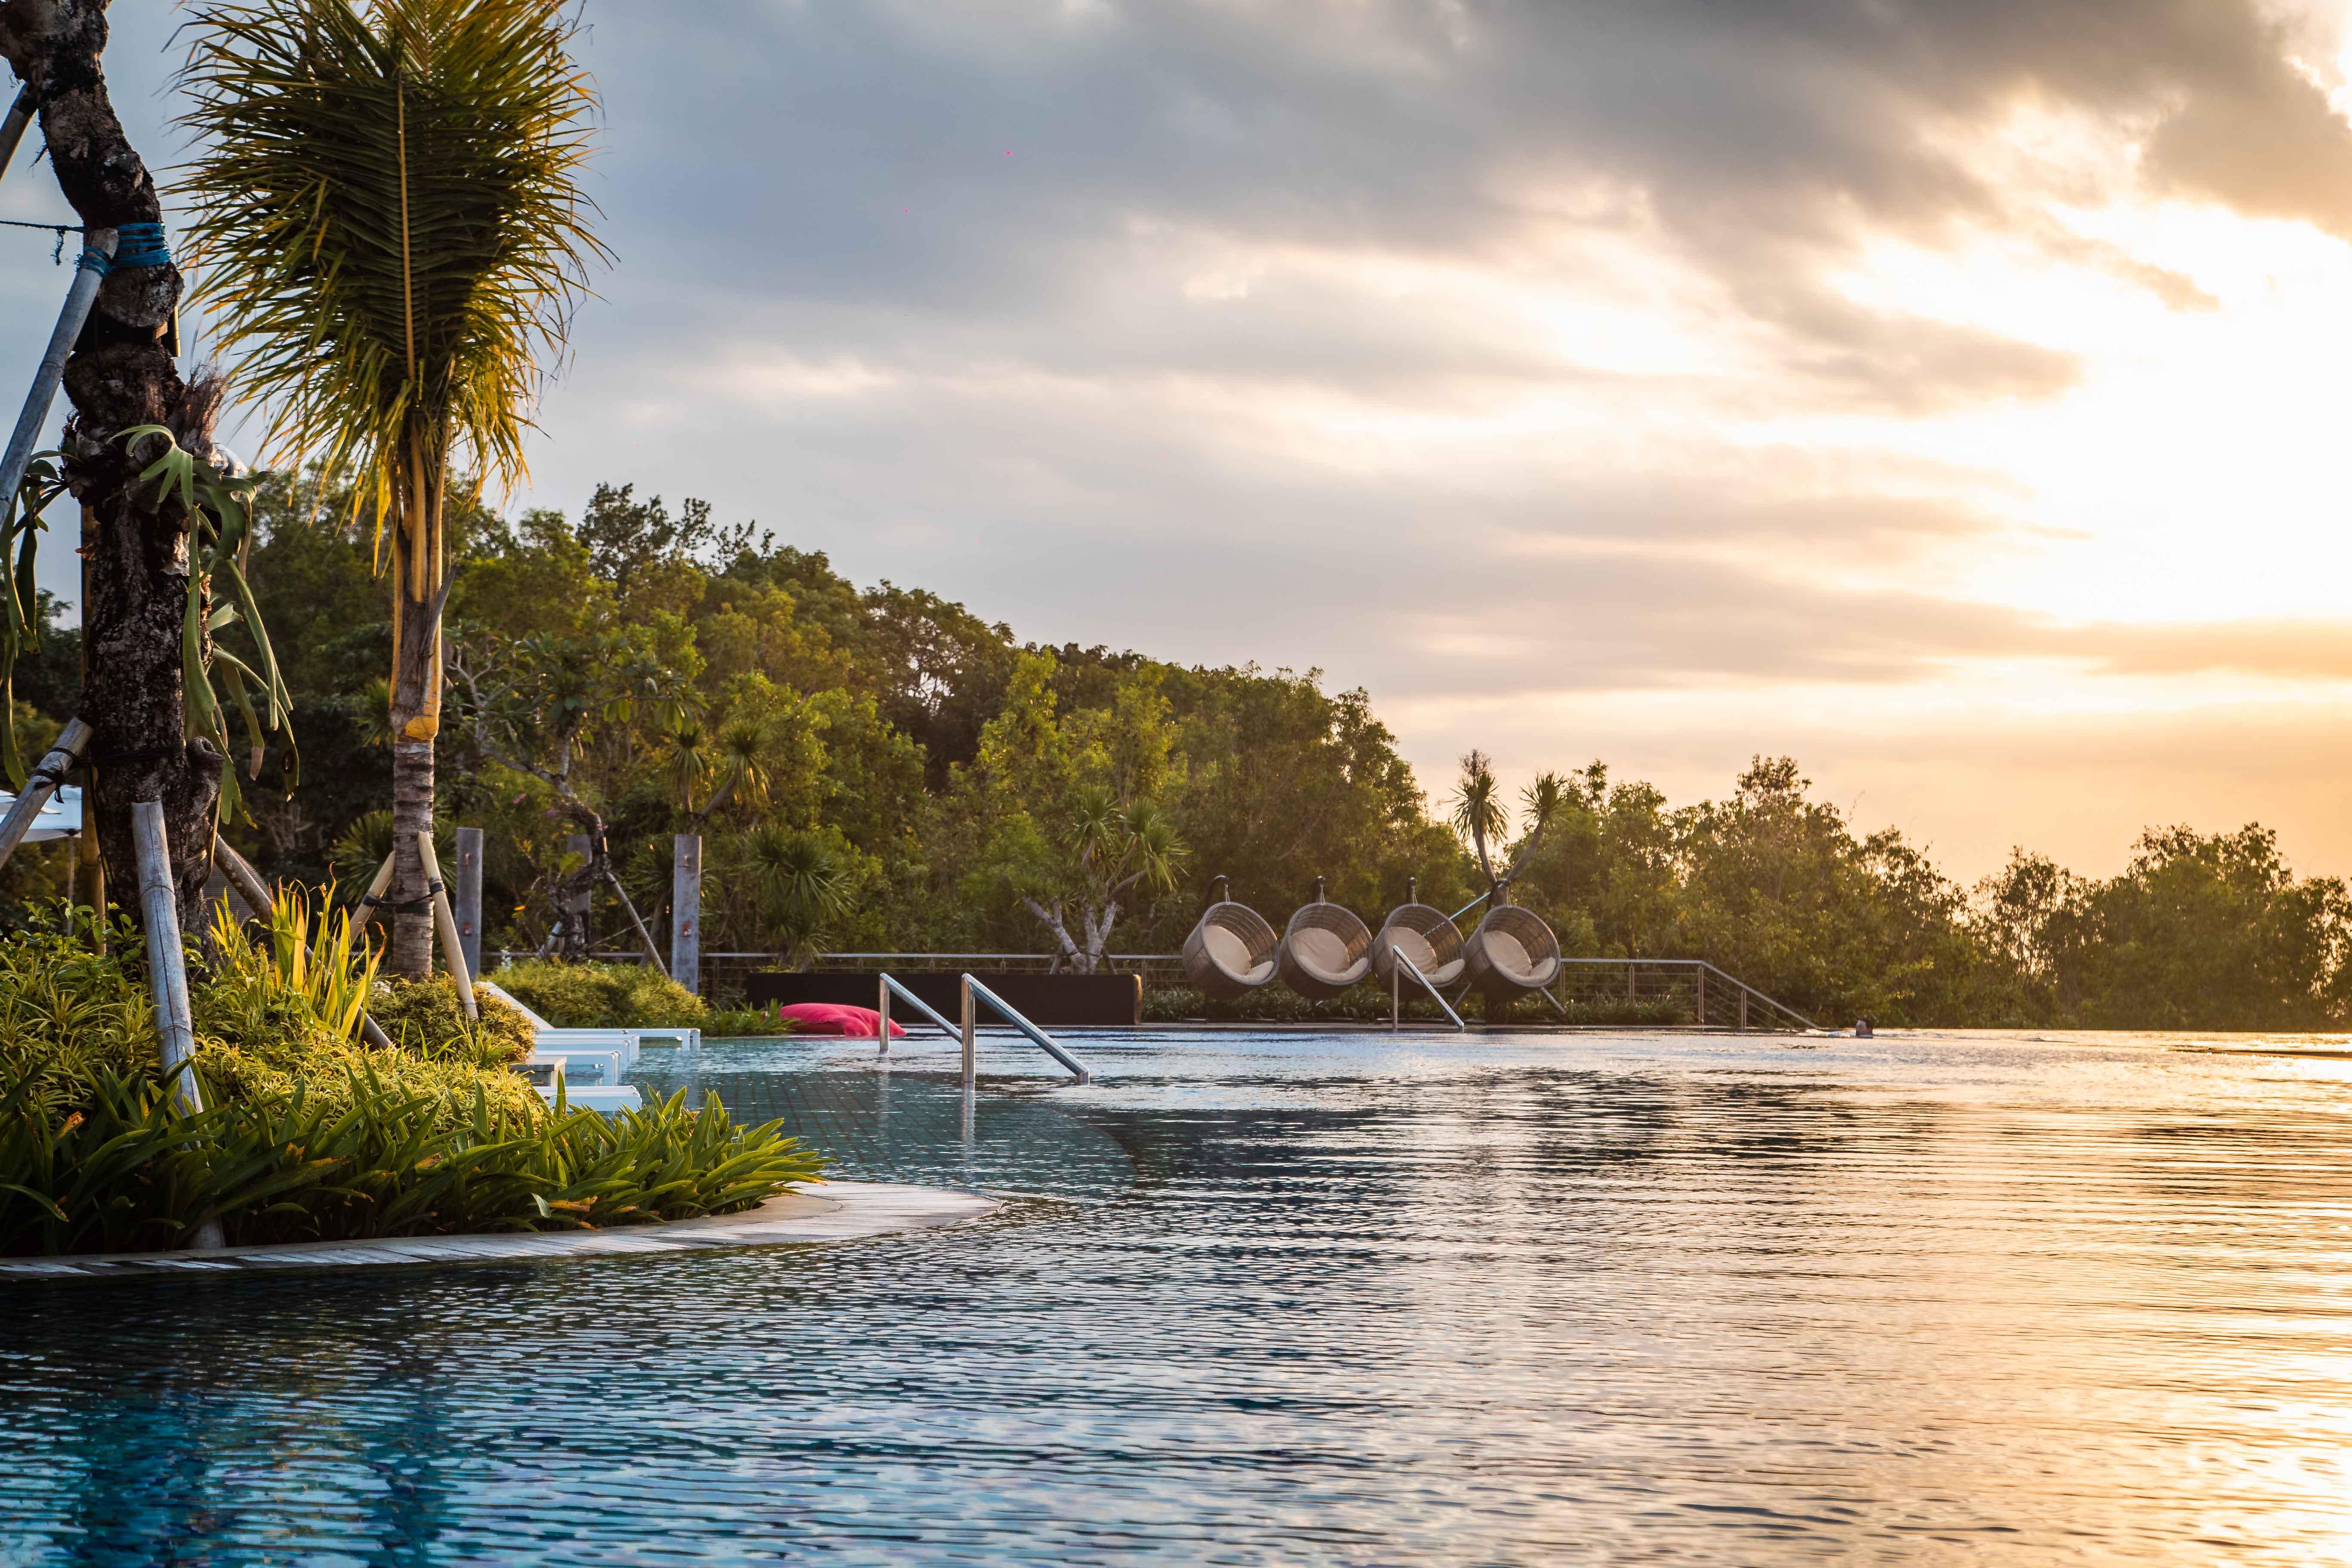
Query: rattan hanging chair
x=1231 y=950
x=1429 y=942
x=1512 y=953
x=1325 y=949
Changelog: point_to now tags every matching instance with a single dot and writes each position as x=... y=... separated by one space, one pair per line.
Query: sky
x=1949 y=395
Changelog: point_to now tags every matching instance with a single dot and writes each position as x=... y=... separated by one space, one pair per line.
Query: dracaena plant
x=218 y=507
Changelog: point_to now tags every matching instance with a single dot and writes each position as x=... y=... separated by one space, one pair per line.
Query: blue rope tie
x=135 y=245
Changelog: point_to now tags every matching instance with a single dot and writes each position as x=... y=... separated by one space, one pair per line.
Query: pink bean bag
x=835 y=1018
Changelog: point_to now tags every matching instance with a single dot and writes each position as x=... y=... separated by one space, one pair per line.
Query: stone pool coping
x=838 y=1211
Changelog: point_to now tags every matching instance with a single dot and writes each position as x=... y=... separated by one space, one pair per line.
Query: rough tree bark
x=136 y=543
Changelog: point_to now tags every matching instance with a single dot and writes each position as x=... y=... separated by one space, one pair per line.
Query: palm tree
x=389 y=222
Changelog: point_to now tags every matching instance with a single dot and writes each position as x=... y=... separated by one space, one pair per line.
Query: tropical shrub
x=127 y=1171
x=69 y=1013
x=426 y=1019
x=602 y=995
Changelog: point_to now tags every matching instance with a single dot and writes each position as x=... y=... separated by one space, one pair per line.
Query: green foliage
x=126 y=1171
x=602 y=995
x=323 y=962
x=878 y=769
x=69 y=1015
x=427 y=1018
x=2199 y=932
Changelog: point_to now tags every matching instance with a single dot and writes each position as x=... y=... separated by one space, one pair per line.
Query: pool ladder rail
x=973 y=994
x=1396 y=992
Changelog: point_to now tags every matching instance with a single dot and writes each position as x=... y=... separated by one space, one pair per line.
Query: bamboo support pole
x=242 y=877
x=970 y=1043
x=80 y=297
x=167 y=969
x=11 y=130
x=41 y=783
x=453 y=951
x=653 y=953
x=373 y=897
x=167 y=974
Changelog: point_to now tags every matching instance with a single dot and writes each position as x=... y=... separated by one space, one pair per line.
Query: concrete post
x=685 y=913
x=469 y=897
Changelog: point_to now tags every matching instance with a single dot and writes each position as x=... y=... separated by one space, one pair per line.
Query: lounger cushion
x=835 y=1018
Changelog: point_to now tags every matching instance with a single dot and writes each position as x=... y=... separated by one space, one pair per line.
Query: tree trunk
x=416 y=597
x=136 y=542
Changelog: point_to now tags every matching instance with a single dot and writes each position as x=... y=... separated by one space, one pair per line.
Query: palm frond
x=388 y=219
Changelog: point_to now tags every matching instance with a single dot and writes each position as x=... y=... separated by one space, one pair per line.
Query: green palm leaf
x=388 y=220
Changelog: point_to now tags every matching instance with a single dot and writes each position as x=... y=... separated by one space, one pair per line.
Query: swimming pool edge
x=836 y=1211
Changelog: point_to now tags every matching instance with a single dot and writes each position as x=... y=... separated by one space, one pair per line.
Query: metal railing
x=972 y=992
x=1396 y=991
x=1674 y=990
x=1602 y=990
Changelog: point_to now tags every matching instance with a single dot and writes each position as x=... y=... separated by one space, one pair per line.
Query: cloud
x=1460 y=347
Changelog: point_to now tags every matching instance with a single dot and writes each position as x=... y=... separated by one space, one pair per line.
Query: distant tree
x=2197 y=931
x=1065 y=811
x=574 y=714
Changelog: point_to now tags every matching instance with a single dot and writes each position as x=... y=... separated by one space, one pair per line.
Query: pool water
x=1283 y=1299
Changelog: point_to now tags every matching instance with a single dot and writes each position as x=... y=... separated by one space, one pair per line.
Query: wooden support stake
x=41 y=783
x=685 y=913
x=167 y=972
x=881 y=1012
x=453 y=952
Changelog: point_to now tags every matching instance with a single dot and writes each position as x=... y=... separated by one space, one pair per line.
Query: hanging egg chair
x=1512 y=953
x=1424 y=937
x=1325 y=949
x=1231 y=952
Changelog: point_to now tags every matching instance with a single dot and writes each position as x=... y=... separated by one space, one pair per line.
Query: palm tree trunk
x=121 y=374
x=416 y=597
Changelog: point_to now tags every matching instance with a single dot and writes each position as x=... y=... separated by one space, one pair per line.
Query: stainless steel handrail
x=1037 y=1036
x=882 y=1012
x=1395 y=989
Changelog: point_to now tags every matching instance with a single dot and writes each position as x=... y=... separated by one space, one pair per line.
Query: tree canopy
x=878 y=768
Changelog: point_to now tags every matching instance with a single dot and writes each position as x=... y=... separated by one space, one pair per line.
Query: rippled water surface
x=1295 y=1299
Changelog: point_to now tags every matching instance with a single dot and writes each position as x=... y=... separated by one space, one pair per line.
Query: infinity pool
x=1277 y=1299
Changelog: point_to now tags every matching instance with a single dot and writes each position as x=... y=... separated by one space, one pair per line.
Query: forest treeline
x=879 y=769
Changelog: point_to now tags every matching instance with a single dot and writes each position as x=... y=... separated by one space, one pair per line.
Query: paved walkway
x=835 y=1211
